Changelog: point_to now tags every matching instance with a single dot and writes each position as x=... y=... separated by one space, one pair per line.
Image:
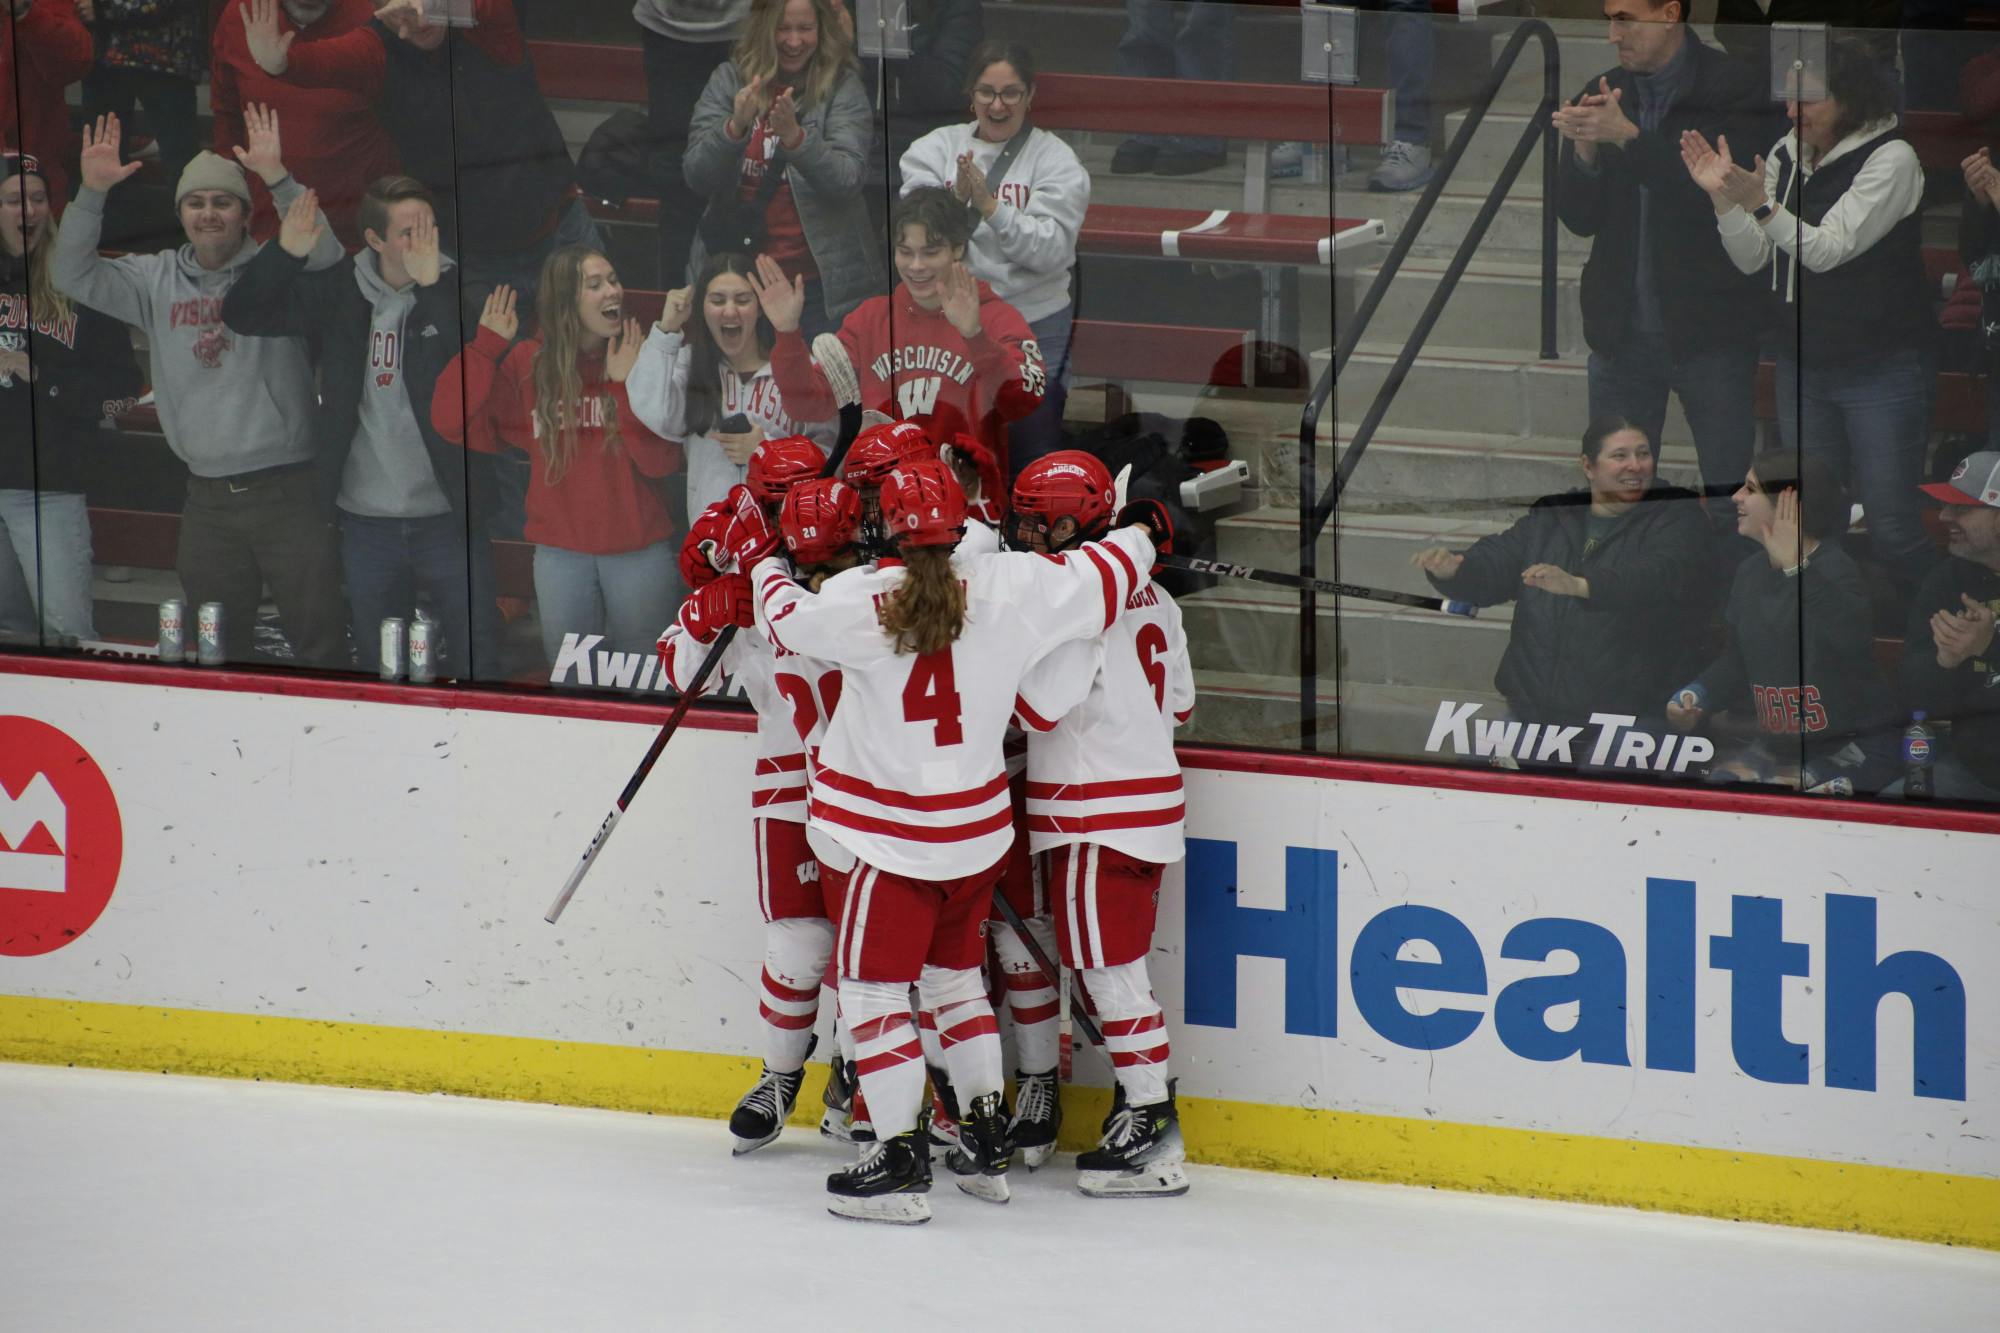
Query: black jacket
x=1968 y=696
x=1703 y=298
x=84 y=370
x=1626 y=646
x=277 y=297
x=1801 y=659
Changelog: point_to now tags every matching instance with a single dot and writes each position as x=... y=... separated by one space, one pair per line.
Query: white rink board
x=378 y=864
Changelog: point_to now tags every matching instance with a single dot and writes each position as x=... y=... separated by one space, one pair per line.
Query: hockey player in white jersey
x=911 y=792
x=1105 y=816
x=798 y=934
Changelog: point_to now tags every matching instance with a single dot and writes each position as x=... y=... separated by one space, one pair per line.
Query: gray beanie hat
x=212 y=171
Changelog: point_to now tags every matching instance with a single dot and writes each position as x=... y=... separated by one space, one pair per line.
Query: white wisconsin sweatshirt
x=1027 y=248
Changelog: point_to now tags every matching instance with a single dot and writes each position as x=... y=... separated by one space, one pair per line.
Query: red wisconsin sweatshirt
x=41 y=54
x=913 y=365
x=605 y=503
x=333 y=142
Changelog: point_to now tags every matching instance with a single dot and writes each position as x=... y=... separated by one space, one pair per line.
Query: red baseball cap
x=1976 y=481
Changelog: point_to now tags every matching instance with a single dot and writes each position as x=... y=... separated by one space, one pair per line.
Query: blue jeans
x=629 y=599
x=1870 y=422
x=1177 y=41
x=1408 y=38
x=1040 y=432
x=393 y=563
x=45 y=565
x=1717 y=389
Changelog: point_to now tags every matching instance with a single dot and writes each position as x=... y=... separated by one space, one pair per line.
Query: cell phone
x=735 y=425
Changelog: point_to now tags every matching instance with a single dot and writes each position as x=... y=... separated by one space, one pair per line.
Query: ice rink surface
x=148 y=1202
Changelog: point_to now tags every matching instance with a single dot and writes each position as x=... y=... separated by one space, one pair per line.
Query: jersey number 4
x=931 y=695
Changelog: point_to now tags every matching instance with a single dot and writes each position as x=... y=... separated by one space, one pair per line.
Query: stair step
x=1496 y=306
x=1239 y=626
x=1247 y=708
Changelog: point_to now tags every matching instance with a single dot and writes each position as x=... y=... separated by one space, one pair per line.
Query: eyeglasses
x=1004 y=96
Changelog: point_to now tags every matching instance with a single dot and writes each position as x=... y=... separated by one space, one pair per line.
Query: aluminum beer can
x=423 y=650
x=209 y=650
x=173 y=630
x=392 y=647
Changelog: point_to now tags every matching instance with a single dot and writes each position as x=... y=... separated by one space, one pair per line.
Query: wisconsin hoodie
x=83 y=371
x=228 y=403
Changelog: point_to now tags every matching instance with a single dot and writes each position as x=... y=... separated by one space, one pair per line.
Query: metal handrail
x=1314 y=508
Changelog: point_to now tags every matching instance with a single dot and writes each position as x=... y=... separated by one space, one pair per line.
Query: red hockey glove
x=1153 y=517
x=724 y=601
x=971 y=450
x=703 y=547
x=751 y=535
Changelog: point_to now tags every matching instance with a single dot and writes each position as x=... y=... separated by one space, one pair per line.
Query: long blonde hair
x=756 y=53
x=46 y=303
x=558 y=380
x=926 y=612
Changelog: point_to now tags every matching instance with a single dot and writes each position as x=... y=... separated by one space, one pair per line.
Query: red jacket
x=42 y=54
x=333 y=142
x=605 y=503
x=912 y=363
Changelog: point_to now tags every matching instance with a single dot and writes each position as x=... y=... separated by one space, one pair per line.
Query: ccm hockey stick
x=1049 y=969
x=846 y=386
x=1193 y=565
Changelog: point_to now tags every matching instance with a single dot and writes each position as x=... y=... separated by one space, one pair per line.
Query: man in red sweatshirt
x=941 y=349
x=44 y=48
x=332 y=138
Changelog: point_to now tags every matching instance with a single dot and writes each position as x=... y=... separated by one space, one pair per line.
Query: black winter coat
x=1632 y=641
x=276 y=297
x=1704 y=300
x=83 y=370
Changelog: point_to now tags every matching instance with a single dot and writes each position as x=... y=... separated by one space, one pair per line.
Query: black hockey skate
x=943 y=1119
x=1141 y=1157
x=1037 y=1116
x=888 y=1184
x=984 y=1151
x=760 y=1116
x=838 y=1096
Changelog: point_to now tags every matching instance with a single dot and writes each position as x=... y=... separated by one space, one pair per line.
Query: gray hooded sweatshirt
x=228 y=403
x=388 y=473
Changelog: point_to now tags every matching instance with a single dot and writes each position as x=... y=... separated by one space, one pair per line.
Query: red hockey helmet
x=820 y=519
x=1066 y=484
x=704 y=536
x=879 y=449
x=923 y=505
x=778 y=465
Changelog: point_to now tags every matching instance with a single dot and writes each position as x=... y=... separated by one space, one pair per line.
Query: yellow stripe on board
x=1796 y=1191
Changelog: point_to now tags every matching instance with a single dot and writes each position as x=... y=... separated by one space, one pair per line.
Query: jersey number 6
x=931 y=695
x=1151 y=643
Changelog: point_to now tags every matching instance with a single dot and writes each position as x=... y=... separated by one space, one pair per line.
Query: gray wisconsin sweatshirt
x=388 y=473
x=227 y=403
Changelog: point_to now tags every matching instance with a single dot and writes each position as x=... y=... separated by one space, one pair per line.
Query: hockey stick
x=847 y=390
x=1450 y=606
x=1049 y=969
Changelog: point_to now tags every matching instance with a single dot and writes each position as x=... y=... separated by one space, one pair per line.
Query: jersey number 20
x=931 y=695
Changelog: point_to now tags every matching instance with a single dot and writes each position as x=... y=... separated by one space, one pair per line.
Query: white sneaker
x=1287 y=159
x=1405 y=166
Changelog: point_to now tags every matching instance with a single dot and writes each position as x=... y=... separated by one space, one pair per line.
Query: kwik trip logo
x=61 y=841
x=1612 y=740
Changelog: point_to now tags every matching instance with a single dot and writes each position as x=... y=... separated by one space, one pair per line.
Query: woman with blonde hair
x=777 y=145
x=61 y=364
x=605 y=555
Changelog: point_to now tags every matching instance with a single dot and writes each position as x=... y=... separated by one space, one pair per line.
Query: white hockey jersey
x=911 y=777
x=793 y=697
x=1101 y=716
x=981 y=538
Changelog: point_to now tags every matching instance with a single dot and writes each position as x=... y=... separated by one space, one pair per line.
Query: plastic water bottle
x=1919 y=758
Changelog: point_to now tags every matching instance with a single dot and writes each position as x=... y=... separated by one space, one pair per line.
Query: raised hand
x=1961 y=636
x=783 y=298
x=425 y=261
x=675 y=310
x=784 y=113
x=1982 y=180
x=623 y=354
x=499 y=314
x=748 y=106
x=302 y=226
x=1781 y=536
x=1744 y=188
x=101 y=168
x=269 y=47
x=401 y=17
x=1705 y=166
x=1439 y=561
x=961 y=300
x=264 y=150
